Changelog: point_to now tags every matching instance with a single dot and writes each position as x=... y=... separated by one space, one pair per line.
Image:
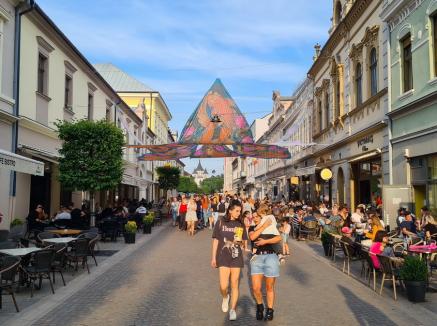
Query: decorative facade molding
x=44 y=44
x=70 y=68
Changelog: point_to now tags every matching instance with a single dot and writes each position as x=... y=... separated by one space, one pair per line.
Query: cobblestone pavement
x=168 y=281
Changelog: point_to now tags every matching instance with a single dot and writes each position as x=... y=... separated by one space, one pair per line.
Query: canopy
x=217 y=128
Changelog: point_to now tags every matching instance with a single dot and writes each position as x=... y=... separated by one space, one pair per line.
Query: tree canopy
x=91 y=155
x=187 y=185
x=168 y=177
x=212 y=185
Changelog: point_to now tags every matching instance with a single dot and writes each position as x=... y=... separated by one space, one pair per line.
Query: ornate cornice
x=356 y=51
x=340 y=32
x=370 y=35
x=394 y=12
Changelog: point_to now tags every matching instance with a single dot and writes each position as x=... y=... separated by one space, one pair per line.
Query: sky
x=179 y=47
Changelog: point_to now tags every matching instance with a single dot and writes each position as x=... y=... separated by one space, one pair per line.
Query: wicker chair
x=40 y=268
x=388 y=272
x=8 y=270
x=348 y=256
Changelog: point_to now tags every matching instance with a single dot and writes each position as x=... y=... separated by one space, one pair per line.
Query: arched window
x=359 y=84
x=373 y=72
x=327 y=109
x=337 y=16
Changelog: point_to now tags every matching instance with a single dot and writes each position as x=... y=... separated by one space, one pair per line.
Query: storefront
x=367 y=177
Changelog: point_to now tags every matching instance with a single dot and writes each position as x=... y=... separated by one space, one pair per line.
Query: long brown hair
x=232 y=205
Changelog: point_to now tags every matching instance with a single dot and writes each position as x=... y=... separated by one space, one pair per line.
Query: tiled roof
x=119 y=80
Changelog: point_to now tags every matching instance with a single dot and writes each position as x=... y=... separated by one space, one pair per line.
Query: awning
x=128 y=180
x=362 y=157
x=305 y=171
x=15 y=162
x=42 y=154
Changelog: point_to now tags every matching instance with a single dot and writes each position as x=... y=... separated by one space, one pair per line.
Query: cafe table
x=19 y=251
x=65 y=232
x=60 y=240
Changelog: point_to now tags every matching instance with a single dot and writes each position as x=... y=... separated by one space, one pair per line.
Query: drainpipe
x=21 y=9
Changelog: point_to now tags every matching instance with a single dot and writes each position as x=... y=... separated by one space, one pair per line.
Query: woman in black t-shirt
x=228 y=236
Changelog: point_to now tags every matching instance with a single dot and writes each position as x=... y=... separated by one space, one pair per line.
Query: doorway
x=40 y=192
x=340 y=186
x=419 y=198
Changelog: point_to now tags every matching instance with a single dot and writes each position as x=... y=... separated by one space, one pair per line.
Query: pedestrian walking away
x=227 y=255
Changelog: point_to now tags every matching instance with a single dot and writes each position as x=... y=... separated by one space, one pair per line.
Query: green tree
x=168 y=177
x=187 y=185
x=91 y=156
x=212 y=185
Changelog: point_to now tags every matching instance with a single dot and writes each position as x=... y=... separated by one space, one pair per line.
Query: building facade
x=411 y=27
x=350 y=79
x=148 y=103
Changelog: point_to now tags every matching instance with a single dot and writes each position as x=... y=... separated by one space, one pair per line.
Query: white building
x=199 y=174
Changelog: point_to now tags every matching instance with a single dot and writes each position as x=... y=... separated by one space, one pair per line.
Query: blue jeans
x=174 y=215
x=267 y=265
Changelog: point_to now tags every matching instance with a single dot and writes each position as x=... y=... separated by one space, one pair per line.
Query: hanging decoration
x=217 y=128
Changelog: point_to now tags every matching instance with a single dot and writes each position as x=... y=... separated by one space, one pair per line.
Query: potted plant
x=325 y=237
x=16 y=221
x=152 y=214
x=147 y=222
x=130 y=229
x=414 y=273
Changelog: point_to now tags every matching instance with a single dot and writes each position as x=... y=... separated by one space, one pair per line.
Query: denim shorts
x=267 y=265
x=284 y=237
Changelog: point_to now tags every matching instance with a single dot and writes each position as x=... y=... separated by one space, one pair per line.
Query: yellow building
x=141 y=99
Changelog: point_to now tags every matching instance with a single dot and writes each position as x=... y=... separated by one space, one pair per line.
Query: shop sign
x=294 y=180
x=305 y=171
x=326 y=174
x=14 y=162
x=364 y=141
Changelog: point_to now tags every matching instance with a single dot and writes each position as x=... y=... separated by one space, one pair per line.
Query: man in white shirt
x=64 y=214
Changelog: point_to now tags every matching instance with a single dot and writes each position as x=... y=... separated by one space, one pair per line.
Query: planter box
x=415 y=291
x=147 y=228
x=129 y=237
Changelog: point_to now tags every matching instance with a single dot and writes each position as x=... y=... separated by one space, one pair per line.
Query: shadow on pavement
x=365 y=313
x=297 y=273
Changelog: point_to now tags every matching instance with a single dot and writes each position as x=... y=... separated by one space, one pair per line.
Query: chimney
x=317 y=51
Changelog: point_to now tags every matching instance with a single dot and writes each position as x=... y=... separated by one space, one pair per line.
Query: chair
x=347 y=256
x=158 y=217
x=372 y=269
x=44 y=235
x=79 y=252
x=8 y=270
x=40 y=268
x=334 y=246
x=309 y=228
x=91 y=246
x=58 y=263
x=388 y=272
x=360 y=254
x=110 y=229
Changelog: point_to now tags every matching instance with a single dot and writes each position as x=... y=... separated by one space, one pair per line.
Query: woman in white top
x=191 y=217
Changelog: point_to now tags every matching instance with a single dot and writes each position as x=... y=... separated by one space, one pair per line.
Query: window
x=407 y=63
x=68 y=92
x=359 y=84
x=90 y=106
x=337 y=98
x=42 y=74
x=373 y=72
x=434 y=33
x=327 y=110
x=320 y=119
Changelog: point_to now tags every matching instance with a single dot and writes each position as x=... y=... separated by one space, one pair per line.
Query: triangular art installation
x=217 y=128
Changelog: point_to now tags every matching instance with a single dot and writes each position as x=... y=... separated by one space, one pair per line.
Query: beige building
x=58 y=83
x=152 y=105
x=350 y=103
x=11 y=164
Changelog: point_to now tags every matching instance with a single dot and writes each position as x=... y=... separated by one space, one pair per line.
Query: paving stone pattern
x=168 y=281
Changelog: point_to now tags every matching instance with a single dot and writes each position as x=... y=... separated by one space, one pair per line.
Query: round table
x=66 y=232
x=427 y=251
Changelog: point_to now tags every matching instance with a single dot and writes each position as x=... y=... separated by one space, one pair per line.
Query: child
x=285 y=231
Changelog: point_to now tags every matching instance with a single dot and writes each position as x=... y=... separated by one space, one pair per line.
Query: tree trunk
x=92 y=209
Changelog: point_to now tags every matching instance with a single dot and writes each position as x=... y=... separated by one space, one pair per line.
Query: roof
x=199 y=168
x=120 y=80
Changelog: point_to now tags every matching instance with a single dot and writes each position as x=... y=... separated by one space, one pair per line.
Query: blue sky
x=180 y=47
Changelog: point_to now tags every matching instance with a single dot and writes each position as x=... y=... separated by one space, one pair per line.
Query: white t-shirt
x=271 y=229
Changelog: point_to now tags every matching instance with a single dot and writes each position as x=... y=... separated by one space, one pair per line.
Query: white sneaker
x=232 y=315
x=225 y=304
